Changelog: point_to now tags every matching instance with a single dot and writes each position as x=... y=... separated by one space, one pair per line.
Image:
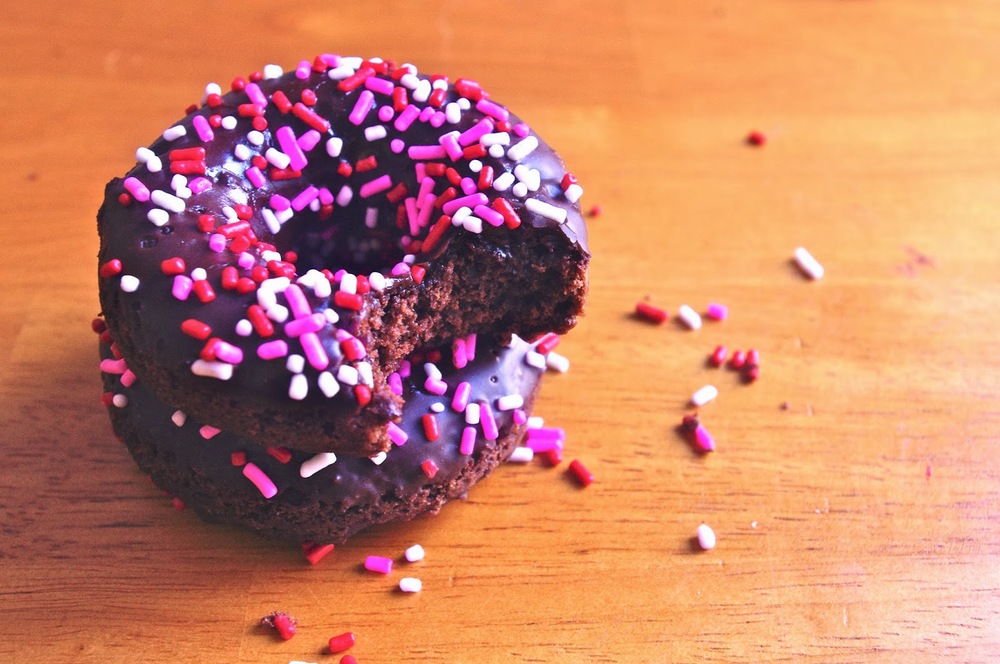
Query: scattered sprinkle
x=378 y=564
x=414 y=553
x=281 y=622
x=706 y=537
x=807 y=264
x=580 y=473
x=689 y=316
x=756 y=138
x=648 y=312
x=409 y=584
x=703 y=395
x=341 y=642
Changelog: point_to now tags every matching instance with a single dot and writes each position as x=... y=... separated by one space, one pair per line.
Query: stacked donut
x=315 y=289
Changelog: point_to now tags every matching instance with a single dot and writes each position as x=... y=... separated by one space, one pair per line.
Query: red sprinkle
x=173 y=266
x=230 y=277
x=646 y=311
x=363 y=394
x=547 y=343
x=124 y=198
x=178 y=503
x=718 y=356
x=430 y=468
x=595 y=211
x=348 y=659
x=418 y=272
x=281 y=100
x=204 y=291
x=756 y=138
x=262 y=325
x=111 y=268
x=346 y=300
x=738 y=359
x=197 y=329
x=284 y=625
x=431 y=429
x=238 y=458
x=753 y=358
x=580 y=472
x=282 y=454
x=98 y=325
x=341 y=642
x=510 y=218
x=369 y=163
x=316 y=552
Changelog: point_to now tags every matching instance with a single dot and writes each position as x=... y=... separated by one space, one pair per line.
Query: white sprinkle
x=535 y=359
x=689 y=316
x=536 y=422
x=178 y=182
x=510 y=402
x=378 y=458
x=365 y=376
x=347 y=374
x=208 y=369
x=244 y=328
x=179 y=418
x=377 y=281
x=173 y=133
x=414 y=553
x=704 y=395
x=143 y=155
x=496 y=151
x=706 y=537
x=464 y=103
x=129 y=283
x=349 y=283
x=344 y=196
x=472 y=413
x=422 y=92
x=573 y=193
x=375 y=132
x=272 y=71
x=229 y=212
x=354 y=61
x=278 y=313
x=295 y=363
x=503 y=181
x=432 y=371
x=452 y=113
x=241 y=152
x=270 y=220
x=255 y=138
x=199 y=274
x=522 y=148
x=158 y=216
x=520 y=190
x=328 y=385
x=521 y=455
x=340 y=72
x=557 y=362
x=371 y=217
x=753 y=524
x=475 y=165
x=276 y=281
x=546 y=210
x=313 y=465
x=496 y=138
x=298 y=387
x=229 y=122
x=808 y=264
x=166 y=201
x=460 y=215
x=437 y=407
x=154 y=164
x=409 y=584
x=473 y=224
x=277 y=158
x=119 y=400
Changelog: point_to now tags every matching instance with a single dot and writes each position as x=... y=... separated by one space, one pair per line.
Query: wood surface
x=856 y=486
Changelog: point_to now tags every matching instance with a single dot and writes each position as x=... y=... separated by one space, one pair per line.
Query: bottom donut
x=458 y=424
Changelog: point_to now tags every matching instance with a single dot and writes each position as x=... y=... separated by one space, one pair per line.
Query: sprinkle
x=208 y=432
x=363 y=105
x=522 y=148
x=314 y=464
x=430 y=468
x=158 y=217
x=461 y=398
x=260 y=480
x=414 y=553
x=379 y=458
x=703 y=395
x=375 y=186
x=468 y=441
x=137 y=189
x=510 y=402
x=697 y=434
x=328 y=385
x=119 y=400
x=648 y=312
x=689 y=316
x=556 y=362
x=488 y=422
x=408 y=584
x=396 y=434
x=316 y=552
x=179 y=417
x=756 y=138
x=546 y=210
x=492 y=109
x=129 y=283
x=706 y=537
x=182 y=286
x=173 y=133
x=580 y=473
x=718 y=356
x=379 y=564
x=344 y=641
x=521 y=455
x=431 y=429
x=809 y=265
x=298 y=387
x=375 y=133
x=334 y=145
x=738 y=359
x=717 y=311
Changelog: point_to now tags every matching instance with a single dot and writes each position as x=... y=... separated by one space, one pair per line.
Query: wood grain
x=856 y=486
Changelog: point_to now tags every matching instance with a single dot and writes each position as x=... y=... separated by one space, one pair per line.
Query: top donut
x=276 y=253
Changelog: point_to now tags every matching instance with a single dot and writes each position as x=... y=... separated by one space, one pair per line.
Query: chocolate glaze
x=349 y=495
x=146 y=323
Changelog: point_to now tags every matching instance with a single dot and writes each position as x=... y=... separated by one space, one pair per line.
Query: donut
x=285 y=493
x=273 y=256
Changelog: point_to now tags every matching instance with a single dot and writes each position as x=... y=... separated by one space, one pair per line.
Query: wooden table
x=856 y=487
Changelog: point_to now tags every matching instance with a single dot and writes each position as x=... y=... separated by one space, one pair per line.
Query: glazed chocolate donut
x=277 y=253
x=290 y=494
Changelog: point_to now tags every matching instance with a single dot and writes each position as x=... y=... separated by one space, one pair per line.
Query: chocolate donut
x=287 y=493
x=277 y=252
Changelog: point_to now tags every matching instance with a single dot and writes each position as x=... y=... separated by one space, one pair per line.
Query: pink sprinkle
x=461 y=398
x=426 y=152
x=491 y=216
x=493 y=109
x=309 y=140
x=475 y=132
x=426 y=207
x=378 y=564
x=395 y=383
x=521 y=130
x=543 y=445
x=255 y=94
x=488 y=422
x=379 y=85
x=404 y=368
x=217 y=242
x=199 y=185
x=397 y=145
x=385 y=113
x=458 y=357
x=703 y=439
x=396 y=434
x=182 y=287
x=470 y=347
x=203 y=128
x=438 y=119
x=313 y=348
x=128 y=378
x=305 y=197
x=520 y=417
x=208 y=432
x=471 y=201
x=546 y=433
x=272 y=350
x=426 y=113
x=325 y=196
x=717 y=311
x=260 y=480
x=435 y=386
x=303 y=70
x=468 y=443
x=364 y=104
x=137 y=189
x=468 y=186
x=451 y=146
x=406 y=118
x=375 y=186
x=256 y=177
x=297 y=301
x=290 y=146
x=116 y=367
x=279 y=202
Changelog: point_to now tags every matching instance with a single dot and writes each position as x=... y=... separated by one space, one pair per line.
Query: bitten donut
x=446 y=440
x=275 y=254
